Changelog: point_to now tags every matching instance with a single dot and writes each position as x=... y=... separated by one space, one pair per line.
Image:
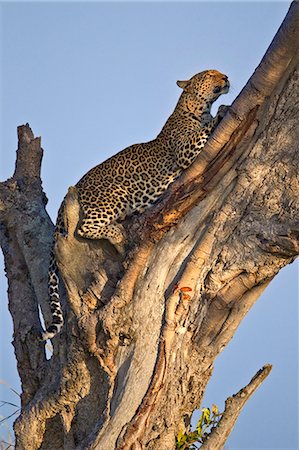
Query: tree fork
x=143 y=329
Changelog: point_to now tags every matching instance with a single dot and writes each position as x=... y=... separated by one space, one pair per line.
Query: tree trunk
x=143 y=330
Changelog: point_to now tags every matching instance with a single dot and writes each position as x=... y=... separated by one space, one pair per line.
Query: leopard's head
x=204 y=87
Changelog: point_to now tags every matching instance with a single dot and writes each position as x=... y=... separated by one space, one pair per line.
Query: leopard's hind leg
x=100 y=220
x=91 y=230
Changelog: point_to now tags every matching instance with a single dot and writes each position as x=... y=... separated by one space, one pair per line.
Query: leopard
x=136 y=177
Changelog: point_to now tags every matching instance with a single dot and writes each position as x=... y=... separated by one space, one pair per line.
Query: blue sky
x=93 y=78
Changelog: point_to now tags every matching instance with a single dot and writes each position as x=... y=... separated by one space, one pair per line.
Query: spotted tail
x=53 y=289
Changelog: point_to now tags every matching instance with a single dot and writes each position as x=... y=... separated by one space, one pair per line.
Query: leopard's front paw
x=222 y=110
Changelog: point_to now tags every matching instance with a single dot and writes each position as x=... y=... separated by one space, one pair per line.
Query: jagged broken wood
x=143 y=331
x=233 y=406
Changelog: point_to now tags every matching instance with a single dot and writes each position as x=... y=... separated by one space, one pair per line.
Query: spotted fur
x=134 y=178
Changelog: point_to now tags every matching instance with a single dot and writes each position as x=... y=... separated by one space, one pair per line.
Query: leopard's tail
x=53 y=289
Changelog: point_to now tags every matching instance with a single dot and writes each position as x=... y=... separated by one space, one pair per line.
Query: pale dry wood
x=233 y=407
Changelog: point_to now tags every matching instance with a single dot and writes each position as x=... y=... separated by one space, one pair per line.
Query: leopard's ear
x=183 y=84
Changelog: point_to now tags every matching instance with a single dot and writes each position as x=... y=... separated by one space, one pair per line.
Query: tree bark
x=143 y=330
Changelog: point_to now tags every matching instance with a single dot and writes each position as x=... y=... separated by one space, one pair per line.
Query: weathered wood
x=233 y=407
x=143 y=329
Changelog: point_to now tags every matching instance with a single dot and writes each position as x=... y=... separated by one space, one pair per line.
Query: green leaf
x=215 y=409
x=181 y=439
x=208 y=419
x=192 y=437
x=180 y=435
x=206 y=415
x=199 y=426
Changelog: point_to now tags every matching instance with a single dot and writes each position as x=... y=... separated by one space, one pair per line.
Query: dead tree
x=143 y=330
